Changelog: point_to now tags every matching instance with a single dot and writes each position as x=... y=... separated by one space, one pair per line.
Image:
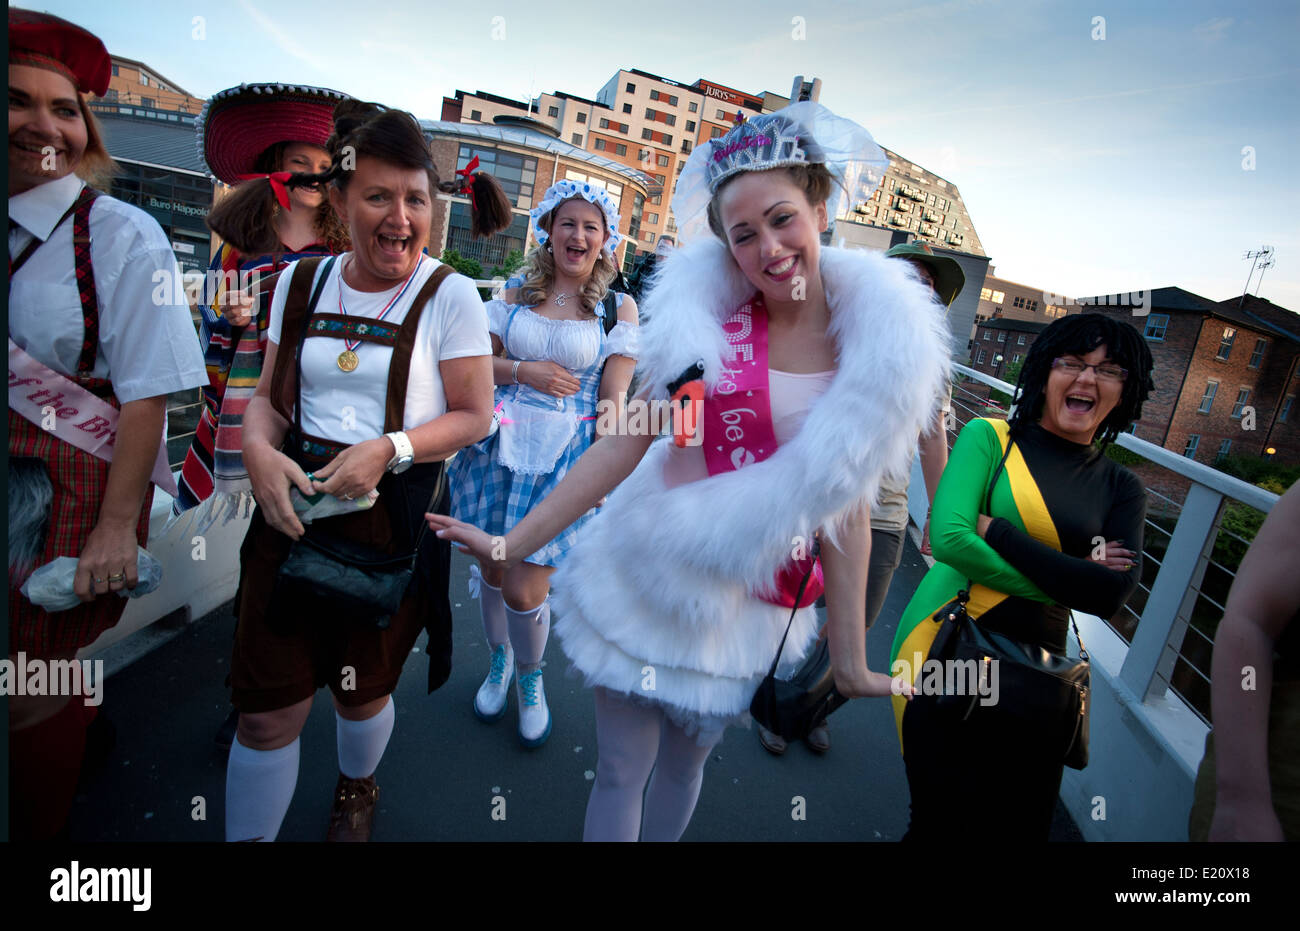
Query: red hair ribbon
x=468 y=174
x=277 y=179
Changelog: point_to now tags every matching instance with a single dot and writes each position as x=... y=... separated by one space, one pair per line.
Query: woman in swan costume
x=667 y=602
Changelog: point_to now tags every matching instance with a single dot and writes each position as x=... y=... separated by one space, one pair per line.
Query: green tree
x=466 y=266
x=513 y=260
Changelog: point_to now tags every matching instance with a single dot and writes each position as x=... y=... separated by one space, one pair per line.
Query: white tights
x=633 y=740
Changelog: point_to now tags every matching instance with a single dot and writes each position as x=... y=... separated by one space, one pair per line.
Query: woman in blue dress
x=557 y=360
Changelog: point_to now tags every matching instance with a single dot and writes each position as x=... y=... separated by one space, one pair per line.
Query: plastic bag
x=51 y=586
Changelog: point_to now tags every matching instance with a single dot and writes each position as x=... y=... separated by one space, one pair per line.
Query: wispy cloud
x=1214 y=29
x=287 y=43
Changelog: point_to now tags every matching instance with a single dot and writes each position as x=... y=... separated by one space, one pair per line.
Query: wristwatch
x=405 y=455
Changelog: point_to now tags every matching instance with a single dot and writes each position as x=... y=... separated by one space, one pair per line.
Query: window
x=1285 y=412
x=1193 y=441
x=1020 y=340
x=1033 y=305
x=662 y=160
x=722 y=115
x=1207 y=400
x=147 y=102
x=1002 y=336
x=647 y=133
x=115 y=74
x=660 y=178
x=627 y=108
x=111 y=95
x=1018 y=302
x=715 y=132
x=1225 y=344
x=650 y=114
x=690 y=126
x=1257 y=356
x=1223 y=450
x=686 y=146
x=986 y=294
x=1015 y=360
x=670 y=119
x=516 y=173
x=620 y=149
x=600 y=144
x=652 y=219
x=1242 y=397
x=648 y=236
x=582 y=117
x=631 y=88
x=693 y=107
x=552 y=111
x=668 y=140
x=979 y=359
x=1156 y=326
x=476 y=115
x=144 y=79
x=988 y=335
x=577 y=138
x=657 y=199
x=999 y=297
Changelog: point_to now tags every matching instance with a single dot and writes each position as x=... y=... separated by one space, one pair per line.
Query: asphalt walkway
x=165 y=780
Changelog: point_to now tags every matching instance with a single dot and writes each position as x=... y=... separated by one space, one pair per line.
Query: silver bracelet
x=514 y=372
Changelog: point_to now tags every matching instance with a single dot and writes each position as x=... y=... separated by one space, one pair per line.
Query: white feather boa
x=664 y=575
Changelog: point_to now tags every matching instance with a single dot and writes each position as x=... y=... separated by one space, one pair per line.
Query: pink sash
x=738 y=431
x=38 y=393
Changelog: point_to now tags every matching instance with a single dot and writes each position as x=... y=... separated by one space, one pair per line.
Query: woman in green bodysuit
x=1030 y=559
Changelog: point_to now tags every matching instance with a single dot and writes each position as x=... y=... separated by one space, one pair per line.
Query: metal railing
x=1189 y=558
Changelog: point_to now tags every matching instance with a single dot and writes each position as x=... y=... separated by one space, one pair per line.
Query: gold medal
x=348 y=360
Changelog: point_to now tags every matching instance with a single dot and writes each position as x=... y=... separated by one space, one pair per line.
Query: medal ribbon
x=352 y=344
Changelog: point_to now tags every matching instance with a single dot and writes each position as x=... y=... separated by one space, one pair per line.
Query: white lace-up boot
x=534 y=714
x=490 y=702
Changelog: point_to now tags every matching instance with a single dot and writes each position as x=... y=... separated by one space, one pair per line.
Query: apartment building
x=134 y=82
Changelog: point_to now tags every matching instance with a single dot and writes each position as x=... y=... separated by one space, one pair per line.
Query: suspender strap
x=85 y=280
x=85 y=271
x=400 y=366
x=291 y=333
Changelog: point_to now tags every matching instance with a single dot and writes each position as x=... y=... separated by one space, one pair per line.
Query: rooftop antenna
x=1264 y=266
x=1264 y=252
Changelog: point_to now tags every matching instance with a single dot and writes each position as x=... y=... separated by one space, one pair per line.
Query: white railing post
x=1154 y=650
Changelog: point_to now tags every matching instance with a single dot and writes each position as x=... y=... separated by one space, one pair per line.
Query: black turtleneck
x=1088 y=495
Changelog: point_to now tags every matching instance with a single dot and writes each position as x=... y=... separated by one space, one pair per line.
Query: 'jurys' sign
x=727 y=95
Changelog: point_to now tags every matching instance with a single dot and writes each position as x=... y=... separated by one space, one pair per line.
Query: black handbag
x=1037 y=690
x=353 y=579
x=792 y=708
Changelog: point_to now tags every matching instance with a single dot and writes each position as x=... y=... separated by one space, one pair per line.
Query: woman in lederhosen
x=95 y=345
x=354 y=423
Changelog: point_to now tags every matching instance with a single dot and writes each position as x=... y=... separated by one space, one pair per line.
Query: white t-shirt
x=147 y=343
x=348 y=407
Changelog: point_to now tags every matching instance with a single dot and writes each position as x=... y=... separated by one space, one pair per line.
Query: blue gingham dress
x=493 y=496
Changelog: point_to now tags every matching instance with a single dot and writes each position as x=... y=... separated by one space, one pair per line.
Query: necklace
x=348 y=359
x=559 y=298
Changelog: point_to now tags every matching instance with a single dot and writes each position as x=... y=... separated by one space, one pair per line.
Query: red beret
x=45 y=41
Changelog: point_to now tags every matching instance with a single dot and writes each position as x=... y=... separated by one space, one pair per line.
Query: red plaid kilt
x=78 y=480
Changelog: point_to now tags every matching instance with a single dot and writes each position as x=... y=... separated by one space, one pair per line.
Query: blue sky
x=1088 y=164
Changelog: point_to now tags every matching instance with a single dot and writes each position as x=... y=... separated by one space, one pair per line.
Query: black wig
x=1079 y=335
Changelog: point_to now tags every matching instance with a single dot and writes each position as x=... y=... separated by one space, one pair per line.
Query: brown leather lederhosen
x=77 y=478
x=284 y=652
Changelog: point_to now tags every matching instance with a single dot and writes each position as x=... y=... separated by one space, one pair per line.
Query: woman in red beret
x=95 y=347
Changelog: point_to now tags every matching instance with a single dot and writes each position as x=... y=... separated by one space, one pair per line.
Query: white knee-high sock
x=528 y=632
x=492 y=605
x=259 y=788
x=362 y=743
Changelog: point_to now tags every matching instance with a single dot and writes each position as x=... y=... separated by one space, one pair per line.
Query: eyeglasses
x=1106 y=370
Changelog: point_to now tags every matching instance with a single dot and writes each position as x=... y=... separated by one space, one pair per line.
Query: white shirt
x=348 y=407
x=147 y=342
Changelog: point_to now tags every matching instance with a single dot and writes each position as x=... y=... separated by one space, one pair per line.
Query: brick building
x=1225 y=374
x=1000 y=343
x=134 y=82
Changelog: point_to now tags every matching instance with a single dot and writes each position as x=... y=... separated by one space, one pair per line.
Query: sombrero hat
x=949 y=279
x=238 y=124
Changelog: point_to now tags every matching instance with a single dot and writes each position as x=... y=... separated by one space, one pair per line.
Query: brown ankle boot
x=354 y=810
